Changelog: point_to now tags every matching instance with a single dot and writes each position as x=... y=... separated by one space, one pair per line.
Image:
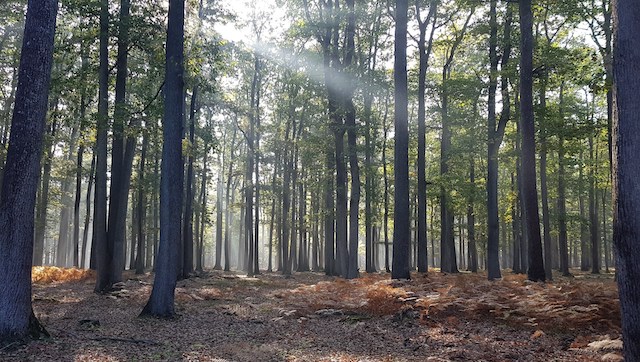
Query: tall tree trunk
x=424 y=49
x=43 y=197
x=21 y=173
x=495 y=135
x=530 y=195
x=626 y=167
x=562 y=207
x=585 y=263
x=593 y=211
x=161 y=301
x=544 y=190
x=100 y=248
x=385 y=174
x=448 y=262
x=187 y=232
x=142 y=205
x=401 y=219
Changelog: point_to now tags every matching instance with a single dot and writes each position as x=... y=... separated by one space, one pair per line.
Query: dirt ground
x=311 y=317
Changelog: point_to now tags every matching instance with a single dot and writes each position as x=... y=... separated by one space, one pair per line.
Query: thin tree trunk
x=87 y=217
x=187 y=232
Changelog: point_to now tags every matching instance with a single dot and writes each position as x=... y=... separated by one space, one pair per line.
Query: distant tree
x=626 y=168
x=161 y=301
x=401 y=219
x=21 y=173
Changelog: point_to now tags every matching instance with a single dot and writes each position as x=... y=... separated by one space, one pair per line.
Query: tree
x=401 y=219
x=21 y=173
x=100 y=247
x=495 y=135
x=161 y=301
x=529 y=193
x=626 y=168
x=424 y=48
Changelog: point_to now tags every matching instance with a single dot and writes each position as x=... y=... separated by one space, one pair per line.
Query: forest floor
x=311 y=317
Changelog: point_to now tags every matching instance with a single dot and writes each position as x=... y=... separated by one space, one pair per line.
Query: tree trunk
x=21 y=173
x=100 y=247
x=142 y=212
x=471 y=221
x=43 y=199
x=385 y=173
x=495 y=135
x=530 y=195
x=161 y=302
x=626 y=167
x=424 y=49
x=401 y=219
x=87 y=216
x=593 y=212
x=187 y=232
x=544 y=190
x=562 y=207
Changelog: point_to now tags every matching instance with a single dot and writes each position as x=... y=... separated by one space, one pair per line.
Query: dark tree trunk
x=120 y=169
x=530 y=195
x=401 y=219
x=496 y=135
x=448 y=263
x=626 y=166
x=424 y=49
x=544 y=190
x=161 y=302
x=21 y=173
x=100 y=247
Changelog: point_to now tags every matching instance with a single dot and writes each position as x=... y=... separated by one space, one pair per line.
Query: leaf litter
x=312 y=317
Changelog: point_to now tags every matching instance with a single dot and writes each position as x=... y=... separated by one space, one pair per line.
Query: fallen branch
x=126 y=340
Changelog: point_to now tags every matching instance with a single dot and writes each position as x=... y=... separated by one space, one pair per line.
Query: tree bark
x=187 y=232
x=21 y=173
x=100 y=248
x=401 y=219
x=626 y=166
x=161 y=302
x=530 y=195
x=424 y=49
